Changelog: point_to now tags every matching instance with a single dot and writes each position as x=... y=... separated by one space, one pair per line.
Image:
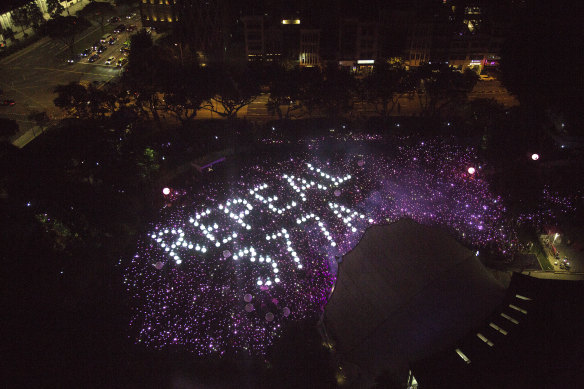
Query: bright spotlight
x=535 y=156
x=166 y=191
x=471 y=170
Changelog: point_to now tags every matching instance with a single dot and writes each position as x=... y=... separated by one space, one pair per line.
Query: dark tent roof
x=541 y=346
x=405 y=291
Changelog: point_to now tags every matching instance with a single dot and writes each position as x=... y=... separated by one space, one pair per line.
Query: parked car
x=93 y=58
x=114 y=19
x=87 y=52
x=130 y=15
x=122 y=62
x=112 y=40
x=8 y=102
x=101 y=49
x=486 y=77
x=120 y=29
x=125 y=50
x=110 y=60
x=132 y=27
x=95 y=45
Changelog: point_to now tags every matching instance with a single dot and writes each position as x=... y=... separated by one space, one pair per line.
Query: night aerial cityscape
x=292 y=194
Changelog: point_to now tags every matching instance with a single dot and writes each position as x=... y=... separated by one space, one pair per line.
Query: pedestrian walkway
x=553 y=275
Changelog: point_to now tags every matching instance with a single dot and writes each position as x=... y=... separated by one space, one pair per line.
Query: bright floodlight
x=471 y=170
x=535 y=156
x=166 y=191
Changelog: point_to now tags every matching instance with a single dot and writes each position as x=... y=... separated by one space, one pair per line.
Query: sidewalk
x=28 y=136
x=551 y=275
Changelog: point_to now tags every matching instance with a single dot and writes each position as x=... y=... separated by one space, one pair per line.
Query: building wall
x=275 y=39
x=309 y=47
x=155 y=13
x=419 y=44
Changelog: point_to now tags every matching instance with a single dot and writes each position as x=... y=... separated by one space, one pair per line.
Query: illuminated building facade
x=203 y=25
x=461 y=36
x=281 y=40
x=157 y=13
x=358 y=44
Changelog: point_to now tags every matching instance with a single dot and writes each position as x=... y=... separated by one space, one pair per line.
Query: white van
x=105 y=38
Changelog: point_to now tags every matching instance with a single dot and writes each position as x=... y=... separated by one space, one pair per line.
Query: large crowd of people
x=224 y=271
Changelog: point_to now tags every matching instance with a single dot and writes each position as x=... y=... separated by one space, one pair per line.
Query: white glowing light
x=471 y=170
x=535 y=156
x=166 y=191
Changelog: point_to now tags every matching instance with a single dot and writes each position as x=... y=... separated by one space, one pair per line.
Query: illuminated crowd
x=224 y=271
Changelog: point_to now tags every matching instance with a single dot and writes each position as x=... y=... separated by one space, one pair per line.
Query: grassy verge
x=542 y=258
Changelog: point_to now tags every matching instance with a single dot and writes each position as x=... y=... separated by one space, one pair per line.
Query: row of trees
x=164 y=79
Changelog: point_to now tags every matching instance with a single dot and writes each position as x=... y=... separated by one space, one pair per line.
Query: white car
x=110 y=60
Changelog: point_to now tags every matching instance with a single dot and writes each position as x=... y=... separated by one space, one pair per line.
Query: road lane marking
x=72 y=71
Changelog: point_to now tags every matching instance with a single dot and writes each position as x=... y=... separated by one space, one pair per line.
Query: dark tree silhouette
x=385 y=86
x=8 y=128
x=542 y=60
x=65 y=29
x=284 y=92
x=35 y=15
x=21 y=18
x=235 y=87
x=55 y=8
x=72 y=98
x=441 y=88
x=98 y=11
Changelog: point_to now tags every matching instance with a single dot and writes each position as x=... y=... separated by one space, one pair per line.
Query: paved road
x=30 y=75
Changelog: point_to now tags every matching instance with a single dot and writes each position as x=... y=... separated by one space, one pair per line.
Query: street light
x=535 y=156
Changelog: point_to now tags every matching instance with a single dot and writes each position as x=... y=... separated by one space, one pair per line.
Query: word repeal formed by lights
x=228 y=266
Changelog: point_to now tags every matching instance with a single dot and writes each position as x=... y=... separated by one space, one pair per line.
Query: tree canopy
x=8 y=128
x=542 y=60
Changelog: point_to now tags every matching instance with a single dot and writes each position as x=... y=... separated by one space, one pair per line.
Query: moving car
x=8 y=102
x=110 y=60
x=486 y=77
x=74 y=59
x=122 y=62
x=130 y=15
x=131 y=27
x=114 y=19
x=120 y=28
x=93 y=58
x=125 y=50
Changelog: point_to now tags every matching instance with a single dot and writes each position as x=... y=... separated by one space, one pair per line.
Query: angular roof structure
x=404 y=292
